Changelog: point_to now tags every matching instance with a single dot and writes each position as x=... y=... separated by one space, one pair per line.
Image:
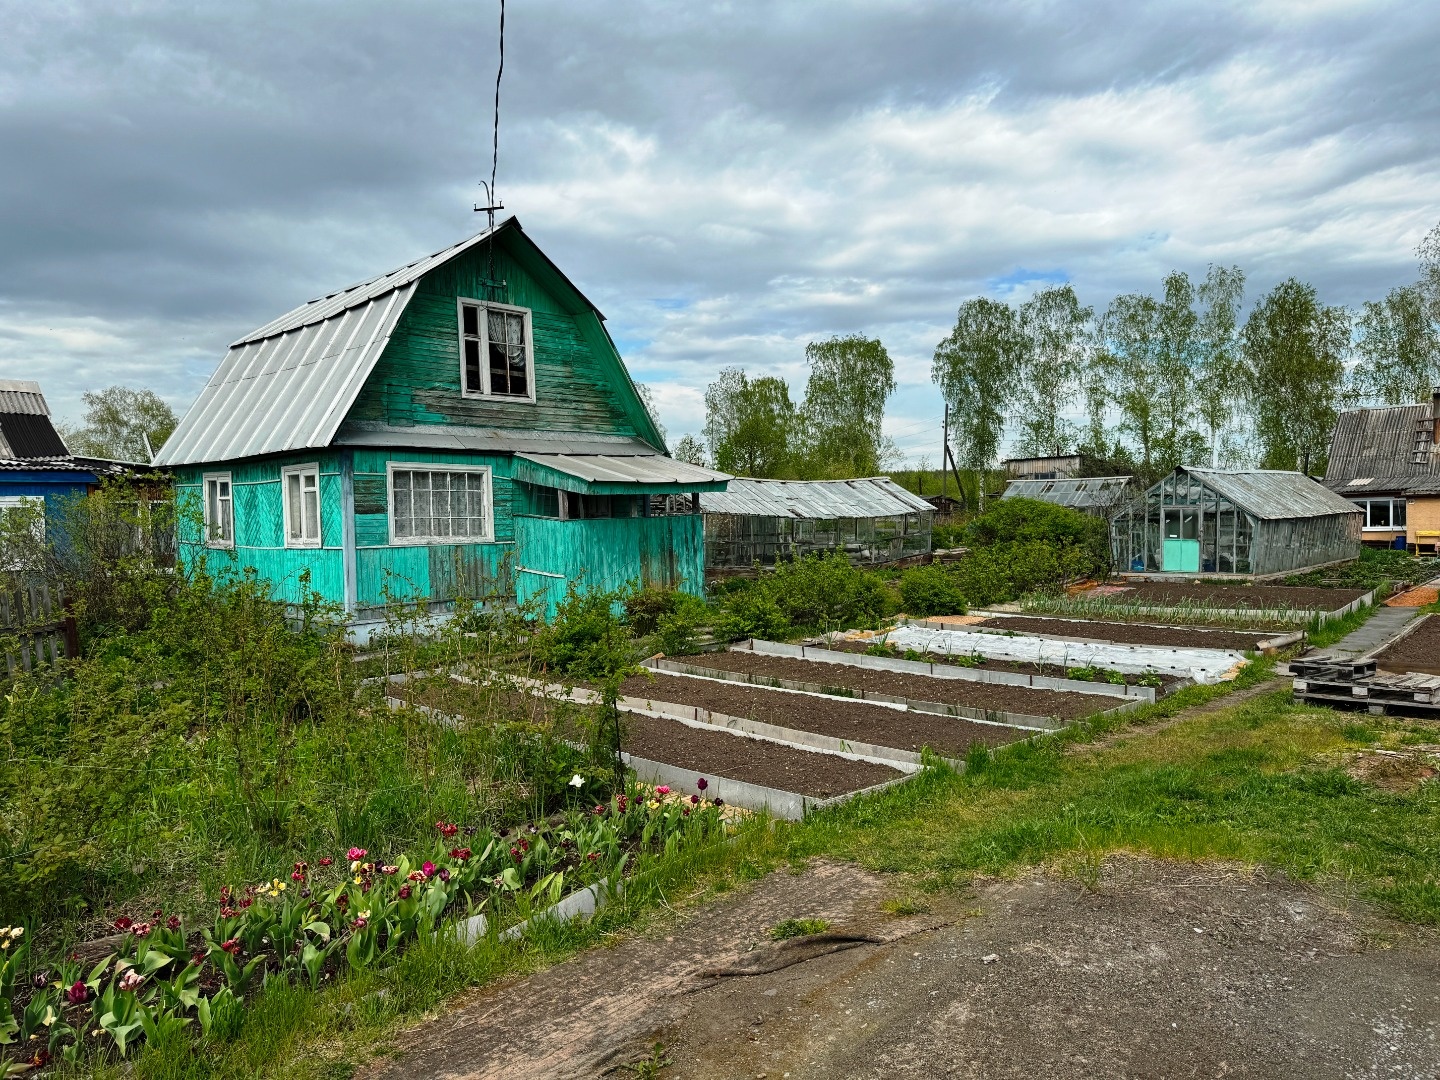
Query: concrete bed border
x=1305 y=614
x=941 y=671
x=994 y=717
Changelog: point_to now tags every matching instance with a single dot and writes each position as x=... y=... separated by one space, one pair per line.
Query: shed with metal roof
x=1252 y=522
x=872 y=519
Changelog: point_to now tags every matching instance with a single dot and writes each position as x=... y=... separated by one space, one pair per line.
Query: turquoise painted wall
x=259 y=524
x=607 y=553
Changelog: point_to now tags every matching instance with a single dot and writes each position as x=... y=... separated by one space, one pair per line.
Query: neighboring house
x=872 y=519
x=439 y=431
x=35 y=465
x=1387 y=462
x=1098 y=495
x=1247 y=522
x=1050 y=467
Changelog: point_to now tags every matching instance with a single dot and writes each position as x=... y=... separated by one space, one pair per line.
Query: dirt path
x=1160 y=970
x=1269 y=686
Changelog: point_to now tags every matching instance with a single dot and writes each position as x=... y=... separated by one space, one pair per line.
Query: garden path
x=1155 y=969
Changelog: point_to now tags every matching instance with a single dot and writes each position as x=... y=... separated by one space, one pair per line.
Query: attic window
x=496 y=355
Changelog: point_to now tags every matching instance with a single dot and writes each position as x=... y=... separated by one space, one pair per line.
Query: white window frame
x=392 y=467
x=302 y=471
x=1364 y=504
x=205 y=481
x=485 y=393
x=19 y=502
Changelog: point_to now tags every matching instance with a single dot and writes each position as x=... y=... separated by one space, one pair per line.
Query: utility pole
x=944 y=450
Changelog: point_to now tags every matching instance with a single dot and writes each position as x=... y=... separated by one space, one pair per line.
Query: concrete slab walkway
x=1376 y=632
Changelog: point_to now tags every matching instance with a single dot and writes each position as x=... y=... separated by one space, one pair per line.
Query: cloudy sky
x=727 y=181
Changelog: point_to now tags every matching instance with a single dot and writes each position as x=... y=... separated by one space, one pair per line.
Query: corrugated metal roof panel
x=1379 y=442
x=1273 y=494
x=641 y=470
x=1081 y=493
x=22 y=396
x=873 y=496
x=289 y=391
x=28 y=435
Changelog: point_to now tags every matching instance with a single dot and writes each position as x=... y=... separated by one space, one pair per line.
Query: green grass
x=793 y=928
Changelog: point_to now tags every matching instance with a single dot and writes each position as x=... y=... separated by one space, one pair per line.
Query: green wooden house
x=460 y=426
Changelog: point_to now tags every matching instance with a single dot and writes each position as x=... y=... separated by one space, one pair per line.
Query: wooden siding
x=1422 y=515
x=607 y=553
x=580 y=384
x=259 y=525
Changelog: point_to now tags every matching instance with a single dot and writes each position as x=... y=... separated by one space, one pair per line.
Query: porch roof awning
x=607 y=474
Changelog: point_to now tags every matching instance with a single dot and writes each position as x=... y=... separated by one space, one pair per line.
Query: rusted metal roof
x=1273 y=495
x=819 y=500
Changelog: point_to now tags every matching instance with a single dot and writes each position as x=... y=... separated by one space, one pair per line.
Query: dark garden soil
x=836 y=717
x=752 y=761
x=1133 y=633
x=978 y=695
x=1050 y=671
x=1240 y=597
x=1418 y=651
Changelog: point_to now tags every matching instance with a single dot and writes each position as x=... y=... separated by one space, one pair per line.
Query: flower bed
x=348 y=912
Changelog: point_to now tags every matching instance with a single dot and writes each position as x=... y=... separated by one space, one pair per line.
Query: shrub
x=751 y=612
x=585 y=639
x=668 y=618
x=931 y=590
x=826 y=591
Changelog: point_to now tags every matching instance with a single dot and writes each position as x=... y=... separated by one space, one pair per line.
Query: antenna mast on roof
x=492 y=201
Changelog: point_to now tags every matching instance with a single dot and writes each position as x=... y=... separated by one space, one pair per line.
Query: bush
x=585 y=639
x=815 y=592
x=1030 y=520
x=751 y=612
x=669 y=619
x=931 y=590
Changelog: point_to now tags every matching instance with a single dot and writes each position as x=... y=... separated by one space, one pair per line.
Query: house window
x=219 y=511
x=496 y=357
x=449 y=505
x=1383 y=515
x=25 y=506
x=301 y=484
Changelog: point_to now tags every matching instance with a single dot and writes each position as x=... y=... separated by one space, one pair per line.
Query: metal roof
x=1082 y=493
x=289 y=391
x=613 y=474
x=491 y=440
x=1383 y=442
x=22 y=396
x=820 y=500
x=1273 y=495
x=29 y=435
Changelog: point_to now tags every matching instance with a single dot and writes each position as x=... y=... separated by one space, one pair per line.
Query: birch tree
x=1055 y=328
x=1220 y=370
x=851 y=378
x=976 y=368
x=1294 y=349
x=749 y=424
x=1399 y=349
x=1128 y=361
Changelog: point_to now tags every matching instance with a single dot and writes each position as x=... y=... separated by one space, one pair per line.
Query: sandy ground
x=1156 y=970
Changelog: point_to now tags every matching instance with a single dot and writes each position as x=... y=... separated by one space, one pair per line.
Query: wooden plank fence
x=34 y=628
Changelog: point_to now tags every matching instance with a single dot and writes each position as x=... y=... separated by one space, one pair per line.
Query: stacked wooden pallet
x=1331 y=680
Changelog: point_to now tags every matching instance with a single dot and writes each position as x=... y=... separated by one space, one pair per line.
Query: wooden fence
x=34 y=628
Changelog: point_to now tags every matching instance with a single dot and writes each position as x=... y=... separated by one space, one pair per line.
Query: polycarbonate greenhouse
x=872 y=519
x=1253 y=522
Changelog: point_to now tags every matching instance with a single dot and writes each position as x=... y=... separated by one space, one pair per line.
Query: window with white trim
x=219 y=510
x=301 y=485
x=444 y=504
x=496 y=355
x=1383 y=515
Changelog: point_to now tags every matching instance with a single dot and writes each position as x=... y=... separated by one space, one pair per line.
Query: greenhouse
x=1252 y=522
x=872 y=519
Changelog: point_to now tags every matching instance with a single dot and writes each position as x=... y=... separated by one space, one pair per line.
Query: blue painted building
x=34 y=461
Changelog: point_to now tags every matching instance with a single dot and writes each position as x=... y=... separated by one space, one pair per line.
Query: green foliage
x=1375 y=568
x=975 y=368
x=751 y=611
x=750 y=424
x=1053 y=369
x=817 y=592
x=585 y=639
x=1399 y=349
x=931 y=590
x=669 y=619
x=1294 y=348
x=851 y=378
x=793 y=928
x=1009 y=520
x=117 y=422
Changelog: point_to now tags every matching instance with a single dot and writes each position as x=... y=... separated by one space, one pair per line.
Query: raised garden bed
x=838 y=718
x=1015 y=699
x=1418 y=651
x=1238 y=597
x=1130 y=633
x=1017 y=667
x=748 y=760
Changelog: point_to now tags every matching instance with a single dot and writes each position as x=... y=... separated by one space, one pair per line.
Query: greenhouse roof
x=1273 y=494
x=871 y=496
x=1081 y=493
